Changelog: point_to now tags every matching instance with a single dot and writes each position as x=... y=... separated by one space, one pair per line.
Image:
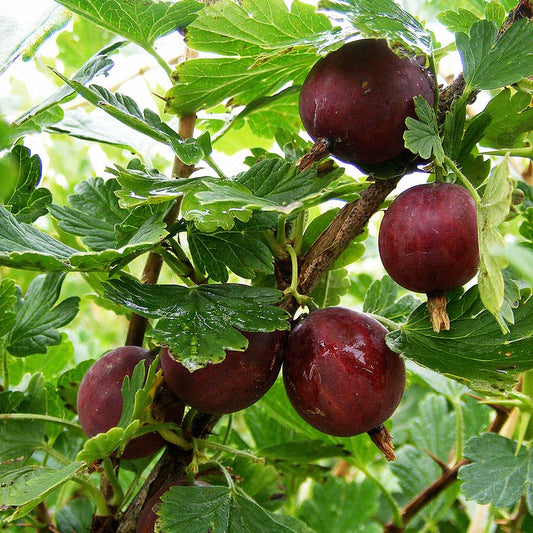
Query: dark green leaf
x=219 y=509
x=142 y=22
x=383 y=298
x=341 y=506
x=8 y=299
x=474 y=351
x=489 y=62
x=244 y=253
x=199 y=323
x=38 y=316
x=498 y=473
x=77 y=515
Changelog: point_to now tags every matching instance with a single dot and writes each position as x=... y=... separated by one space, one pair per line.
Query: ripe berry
x=235 y=383
x=358 y=97
x=99 y=400
x=428 y=239
x=339 y=374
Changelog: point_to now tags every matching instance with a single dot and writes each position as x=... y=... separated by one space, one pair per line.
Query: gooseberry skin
x=237 y=382
x=358 y=98
x=428 y=238
x=99 y=401
x=339 y=374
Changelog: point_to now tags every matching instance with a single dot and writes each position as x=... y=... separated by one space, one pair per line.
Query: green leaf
x=422 y=135
x=333 y=285
x=104 y=444
x=38 y=316
x=474 y=351
x=69 y=383
x=77 y=515
x=495 y=205
x=142 y=22
x=199 y=323
x=415 y=471
x=148 y=122
x=99 y=64
x=18 y=438
x=24 y=246
x=25 y=200
x=27 y=487
x=305 y=451
x=244 y=253
x=341 y=506
x=383 y=19
x=265 y=47
x=439 y=383
x=383 y=298
x=489 y=62
x=458 y=21
x=136 y=392
x=95 y=215
x=8 y=299
x=497 y=474
x=511 y=120
x=199 y=509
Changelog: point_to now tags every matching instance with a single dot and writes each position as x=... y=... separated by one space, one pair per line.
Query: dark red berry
x=235 y=383
x=99 y=400
x=428 y=238
x=358 y=98
x=339 y=374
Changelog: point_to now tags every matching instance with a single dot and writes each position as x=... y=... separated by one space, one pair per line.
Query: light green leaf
x=491 y=63
x=511 y=120
x=142 y=22
x=104 y=444
x=458 y=21
x=199 y=323
x=497 y=474
x=265 y=47
x=383 y=19
x=148 y=122
x=422 y=135
x=474 y=351
x=99 y=64
x=38 y=316
x=95 y=215
x=25 y=200
x=495 y=205
x=26 y=487
x=8 y=299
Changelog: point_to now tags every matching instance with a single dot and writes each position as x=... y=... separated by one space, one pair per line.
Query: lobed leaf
x=199 y=324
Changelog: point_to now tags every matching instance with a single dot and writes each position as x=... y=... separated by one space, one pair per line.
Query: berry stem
x=437 y=312
x=464 y=180
x=118 y=494
x=98 y=498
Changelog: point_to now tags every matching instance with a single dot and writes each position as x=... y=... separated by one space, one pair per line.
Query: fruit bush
x=195 y=195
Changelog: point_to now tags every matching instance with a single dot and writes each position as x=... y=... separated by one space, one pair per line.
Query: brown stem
x=154 y=263
x=319 y=150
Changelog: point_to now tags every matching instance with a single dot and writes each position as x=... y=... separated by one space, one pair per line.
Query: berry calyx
x=358 y=97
